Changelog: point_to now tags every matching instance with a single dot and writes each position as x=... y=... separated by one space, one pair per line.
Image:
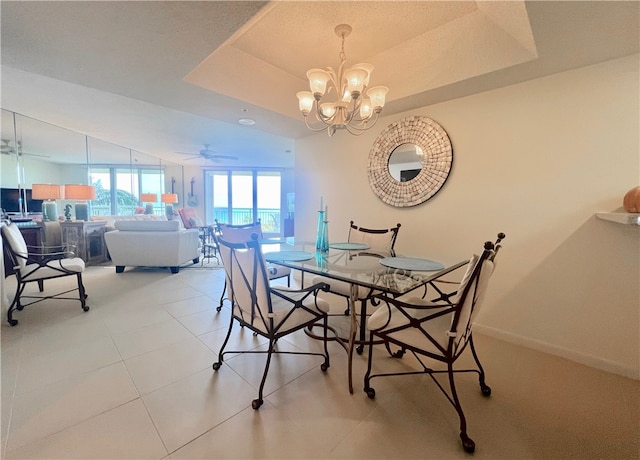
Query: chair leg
x=325 y=325
x=486 y=389
x=467 y=443
x=224 y=289
x=15 y=304
x=363 y=325
x=218 y=363
x=256 y=403
x=82 y=294
x=371 y=393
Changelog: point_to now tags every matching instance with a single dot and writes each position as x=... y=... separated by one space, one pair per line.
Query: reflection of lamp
x=168 y=199
x=49 y=193
x=350 y=110
x=82 y=194
x=149 y=198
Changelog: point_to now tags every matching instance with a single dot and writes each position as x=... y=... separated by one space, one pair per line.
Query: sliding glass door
x=244 y=196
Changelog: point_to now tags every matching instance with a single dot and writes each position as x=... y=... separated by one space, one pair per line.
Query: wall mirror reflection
x=36 y=152
x=405 y=162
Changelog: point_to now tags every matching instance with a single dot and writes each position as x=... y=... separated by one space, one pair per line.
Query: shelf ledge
x=625 y=218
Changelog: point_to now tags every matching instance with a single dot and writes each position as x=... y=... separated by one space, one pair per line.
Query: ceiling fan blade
x=35 y=155
x=224 y=157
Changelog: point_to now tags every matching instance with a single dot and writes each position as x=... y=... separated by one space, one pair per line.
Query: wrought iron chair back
x=242 y=234
x=437 y=330
x=384 y=239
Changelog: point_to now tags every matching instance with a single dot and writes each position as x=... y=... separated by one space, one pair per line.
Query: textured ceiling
x=166 y=77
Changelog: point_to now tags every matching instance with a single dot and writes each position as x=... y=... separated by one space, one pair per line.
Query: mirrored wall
x=36 y=152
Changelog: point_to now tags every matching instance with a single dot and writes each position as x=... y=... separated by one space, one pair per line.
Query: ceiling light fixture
x=351 y=111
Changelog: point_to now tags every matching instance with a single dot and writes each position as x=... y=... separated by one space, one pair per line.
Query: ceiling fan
x=7 y=148
x=209 y=154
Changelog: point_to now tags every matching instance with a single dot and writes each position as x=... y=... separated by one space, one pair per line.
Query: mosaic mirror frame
x=436 y=165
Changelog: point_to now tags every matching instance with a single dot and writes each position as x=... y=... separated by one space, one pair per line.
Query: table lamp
x=49 y=193
x=82 y=194
x=149 y=199
x=168 y=199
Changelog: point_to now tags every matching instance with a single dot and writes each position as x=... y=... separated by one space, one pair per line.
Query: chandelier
x=350 y=110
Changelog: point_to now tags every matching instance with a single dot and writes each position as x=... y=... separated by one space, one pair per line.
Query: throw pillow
x=195 y=222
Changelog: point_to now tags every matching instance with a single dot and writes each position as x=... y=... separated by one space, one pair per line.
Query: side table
x=86 y=239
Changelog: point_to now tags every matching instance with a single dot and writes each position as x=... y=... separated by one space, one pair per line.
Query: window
x=118 y=189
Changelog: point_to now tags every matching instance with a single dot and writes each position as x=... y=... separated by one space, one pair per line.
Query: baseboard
x=582 y=358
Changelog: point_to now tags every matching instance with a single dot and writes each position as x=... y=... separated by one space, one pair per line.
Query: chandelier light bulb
x=365 y=109
x=305 y=101
x=377 y=95
x=318 y=79
x=355 y=81
x=367 y=68
x=328 y=109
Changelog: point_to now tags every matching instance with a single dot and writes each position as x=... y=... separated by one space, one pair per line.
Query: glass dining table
x=360 y=266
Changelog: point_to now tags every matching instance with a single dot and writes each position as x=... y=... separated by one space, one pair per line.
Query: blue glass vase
x=322 y=235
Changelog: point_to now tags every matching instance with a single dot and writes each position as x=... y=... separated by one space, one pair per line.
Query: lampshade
x=149 y=197
x=169 y=198
x=46 y=192
x=79 y=192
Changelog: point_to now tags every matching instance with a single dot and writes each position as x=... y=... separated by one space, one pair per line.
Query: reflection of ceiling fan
x=7 y=148
x=209 y=154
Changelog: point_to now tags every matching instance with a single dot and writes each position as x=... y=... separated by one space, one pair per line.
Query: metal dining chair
x=270 y=312
x=382 y=240
x=437 y=331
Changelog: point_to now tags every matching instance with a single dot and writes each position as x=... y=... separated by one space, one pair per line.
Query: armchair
x=438 y=330
x=36 y=264
x=268 y=311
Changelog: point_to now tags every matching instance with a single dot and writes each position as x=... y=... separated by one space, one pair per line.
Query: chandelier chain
x=343 y=56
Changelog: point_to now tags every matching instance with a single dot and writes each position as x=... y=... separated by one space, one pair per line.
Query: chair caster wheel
x=360 y=349
x=216 y=366
x=219 y=308
x=85 y=308
x=371 y=393
x=486 y=390
x=324 y=367
x=20 y=307
x=13 y=322
x=256 y=403
x=467 y=444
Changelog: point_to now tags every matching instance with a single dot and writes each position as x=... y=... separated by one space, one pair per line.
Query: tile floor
x=132 y=379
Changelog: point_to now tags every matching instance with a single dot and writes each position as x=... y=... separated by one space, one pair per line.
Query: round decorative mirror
x=410 y=161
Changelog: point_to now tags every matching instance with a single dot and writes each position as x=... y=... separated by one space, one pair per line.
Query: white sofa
x=110 y=221
x=140 y=243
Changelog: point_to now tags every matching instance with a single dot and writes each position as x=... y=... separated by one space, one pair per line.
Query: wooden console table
x=86 y=239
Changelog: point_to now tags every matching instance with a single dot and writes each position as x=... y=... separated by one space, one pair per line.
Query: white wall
x=534 y=160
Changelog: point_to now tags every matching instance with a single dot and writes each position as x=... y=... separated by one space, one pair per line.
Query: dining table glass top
x=369 y=267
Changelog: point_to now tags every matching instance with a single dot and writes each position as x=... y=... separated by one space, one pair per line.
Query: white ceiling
x=166 y=77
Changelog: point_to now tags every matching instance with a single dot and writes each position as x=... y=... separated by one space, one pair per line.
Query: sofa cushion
x=148 y=225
